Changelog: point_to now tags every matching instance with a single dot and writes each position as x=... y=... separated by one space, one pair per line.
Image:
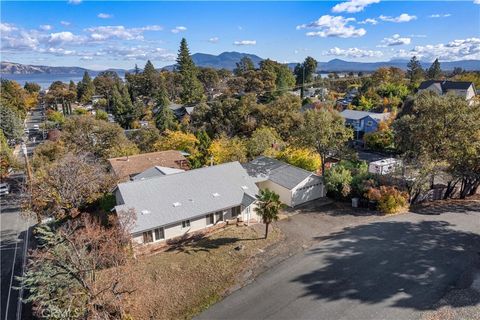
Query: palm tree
x=268 y=206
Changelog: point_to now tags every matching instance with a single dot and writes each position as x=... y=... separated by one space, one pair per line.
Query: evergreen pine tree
x=435 y=71
x=415 y=72
x=165 y=119
x=245 y=64
x=149 y=77
x=192 y=90
x=85 y=89
x=123 y=109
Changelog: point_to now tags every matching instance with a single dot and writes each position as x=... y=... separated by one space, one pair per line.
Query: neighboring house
x=463 y=89
x=362 y=121
x=174 y=205
x=294 y=185
x=156 y=171
x=126 y=168
x=181 y=111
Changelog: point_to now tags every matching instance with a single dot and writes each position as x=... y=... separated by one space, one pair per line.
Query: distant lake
x=46 y=79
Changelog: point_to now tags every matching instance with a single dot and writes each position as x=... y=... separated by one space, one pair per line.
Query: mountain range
x=228 y=60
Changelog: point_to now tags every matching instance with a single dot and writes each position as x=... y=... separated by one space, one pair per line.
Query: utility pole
x=30 y=177
x=302 y=92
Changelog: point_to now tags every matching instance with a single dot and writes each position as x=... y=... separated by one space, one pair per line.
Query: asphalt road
x=13 y=248
x=14 y=229
x=395 y=268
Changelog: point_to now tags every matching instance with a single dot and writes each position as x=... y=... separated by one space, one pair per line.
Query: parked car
x=36 y=127
x=4 y=188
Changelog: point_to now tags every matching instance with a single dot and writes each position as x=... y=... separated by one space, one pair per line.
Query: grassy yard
x=180 y=283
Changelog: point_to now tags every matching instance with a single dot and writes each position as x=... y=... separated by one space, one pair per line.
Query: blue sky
x=118 y=34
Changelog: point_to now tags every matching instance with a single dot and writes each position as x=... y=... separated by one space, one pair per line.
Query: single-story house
x=464 y=89
x=174 y=205
x=363 y=121
x=294 y=185
x=156 y=171
x=126 y=168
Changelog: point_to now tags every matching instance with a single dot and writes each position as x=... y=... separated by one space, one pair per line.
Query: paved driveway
x=393 y=268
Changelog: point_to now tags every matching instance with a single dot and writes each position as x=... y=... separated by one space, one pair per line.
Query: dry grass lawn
x=182 y=282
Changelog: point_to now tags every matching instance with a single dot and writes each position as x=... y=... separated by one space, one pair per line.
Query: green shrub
x=338 y=180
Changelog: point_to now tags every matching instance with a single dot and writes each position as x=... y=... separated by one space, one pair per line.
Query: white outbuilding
x=384 y=166
x=294 y=185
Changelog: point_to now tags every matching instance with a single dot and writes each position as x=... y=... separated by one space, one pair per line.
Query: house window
x=369 y=123
x=159 y=234
x=219 y=216
x=235 y=211
x=210 y=219
x=186 y=224
x=147 y=236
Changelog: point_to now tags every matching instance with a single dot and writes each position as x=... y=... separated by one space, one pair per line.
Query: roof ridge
x=184 y=172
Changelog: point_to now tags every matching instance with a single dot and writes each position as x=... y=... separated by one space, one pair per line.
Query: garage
x=294 y=185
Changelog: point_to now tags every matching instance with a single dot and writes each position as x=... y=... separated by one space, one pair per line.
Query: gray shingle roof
x=193 y=190
x=446 y=85
x=284 y=174
x=357 y=115
x=156 y=171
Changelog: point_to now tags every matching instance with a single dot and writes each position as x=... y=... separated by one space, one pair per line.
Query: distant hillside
x=338 y=65
x=225 y=60
x=228 y=61
x=18 y=68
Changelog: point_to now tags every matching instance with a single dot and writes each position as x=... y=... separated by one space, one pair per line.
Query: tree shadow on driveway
x=411 y=265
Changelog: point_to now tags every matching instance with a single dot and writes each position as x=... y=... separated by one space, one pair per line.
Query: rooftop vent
x=177 y=204
x=145 y=212
x=216 y=194
x=244 y=187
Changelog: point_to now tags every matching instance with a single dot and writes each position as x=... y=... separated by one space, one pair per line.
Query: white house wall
x=199 y=223
x=284 y=193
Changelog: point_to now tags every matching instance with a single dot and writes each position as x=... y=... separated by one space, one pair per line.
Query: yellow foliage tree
x=178 y=140
x=301 y=157
x=228 y=149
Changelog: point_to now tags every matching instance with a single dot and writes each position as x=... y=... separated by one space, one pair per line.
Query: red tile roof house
x=126 y=168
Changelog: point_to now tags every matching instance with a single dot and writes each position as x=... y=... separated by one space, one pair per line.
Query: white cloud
x=179 y=29
x=368 y=21
x=64 y=36
x=137 y=53
x=333 y=26
x=58 y=51
x=74 y=1
x=404 y=17
x=438 y=15
x=104 y=15
x=7 y=27
x=245 y=43
x=64 y=23
x=395 y=40
x=476 y=1
x=103 y=33
x=352 y=53
x=453 y=50
x=213 y=40
x=86 y=58
x=19 y=40
x=46 y=27
x=353 y=6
